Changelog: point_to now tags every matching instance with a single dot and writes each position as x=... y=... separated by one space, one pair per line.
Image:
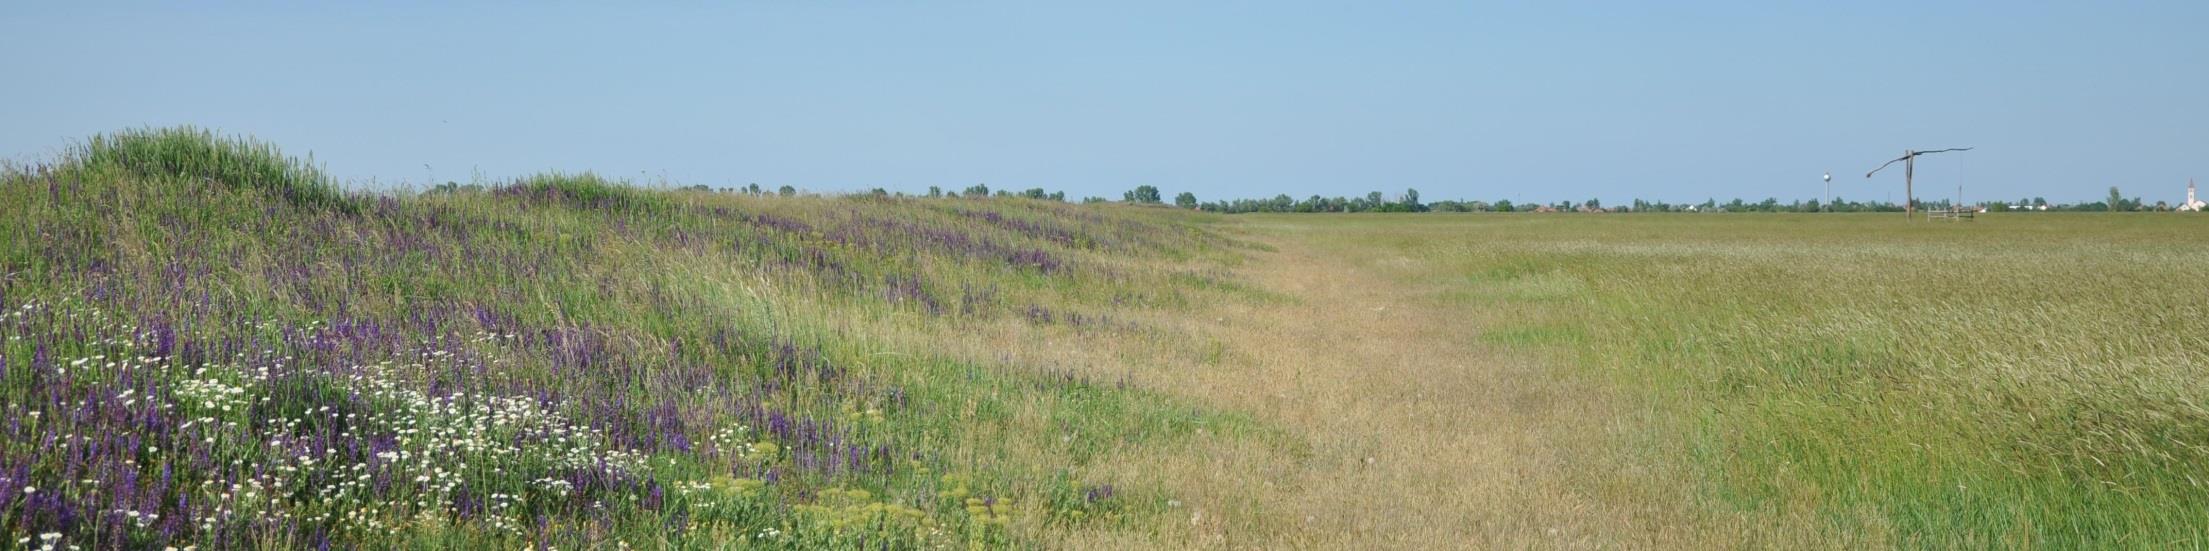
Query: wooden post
x=1909 y=172
x=1909 y=162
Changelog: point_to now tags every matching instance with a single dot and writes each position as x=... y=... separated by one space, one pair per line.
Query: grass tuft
x=199 y=155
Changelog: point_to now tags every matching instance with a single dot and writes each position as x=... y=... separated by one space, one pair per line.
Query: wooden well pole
x=1909 y=162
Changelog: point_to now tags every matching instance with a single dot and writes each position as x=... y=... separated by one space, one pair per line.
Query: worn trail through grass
x=1699 y=382
x=1421 y=435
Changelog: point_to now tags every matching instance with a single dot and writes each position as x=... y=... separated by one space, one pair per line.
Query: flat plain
x=2023 y=380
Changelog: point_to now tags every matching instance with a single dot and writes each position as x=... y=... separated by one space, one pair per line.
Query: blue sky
x=1524 y=100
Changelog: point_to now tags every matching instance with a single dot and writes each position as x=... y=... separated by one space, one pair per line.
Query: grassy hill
x=208 y=342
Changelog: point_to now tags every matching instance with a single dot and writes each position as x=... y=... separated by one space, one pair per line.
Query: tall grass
x=2025 y=380
x=209 y=344
x=198 y=154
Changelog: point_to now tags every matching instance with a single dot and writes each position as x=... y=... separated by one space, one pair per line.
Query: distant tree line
x=1408 y=201
x=1141 y=194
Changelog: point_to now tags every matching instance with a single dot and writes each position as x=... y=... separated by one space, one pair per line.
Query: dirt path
x=1420 y=437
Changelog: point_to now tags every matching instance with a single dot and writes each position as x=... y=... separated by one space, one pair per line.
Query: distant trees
x=1411 y=201
x=453 y=187
x=1458 y=206
x=1144 y=194
x=1186 y=200
x=934 y=192
x=1314 y=204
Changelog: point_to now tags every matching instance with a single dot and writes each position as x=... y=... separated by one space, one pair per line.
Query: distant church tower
x=2192 y=204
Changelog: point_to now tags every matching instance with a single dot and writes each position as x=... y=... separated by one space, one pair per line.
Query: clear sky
x=1525 y=100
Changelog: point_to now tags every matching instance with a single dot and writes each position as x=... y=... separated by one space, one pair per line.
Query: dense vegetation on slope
x=207 y=342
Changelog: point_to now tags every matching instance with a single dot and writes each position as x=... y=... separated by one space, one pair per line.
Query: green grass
x=702 y=368
x=199 y=156
x=2027 y=379
x=208 y=342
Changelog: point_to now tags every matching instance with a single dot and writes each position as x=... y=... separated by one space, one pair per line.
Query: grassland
x=2027 y=380
x=209 y=343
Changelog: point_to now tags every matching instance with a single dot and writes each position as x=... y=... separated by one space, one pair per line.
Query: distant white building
x=2191 y=204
